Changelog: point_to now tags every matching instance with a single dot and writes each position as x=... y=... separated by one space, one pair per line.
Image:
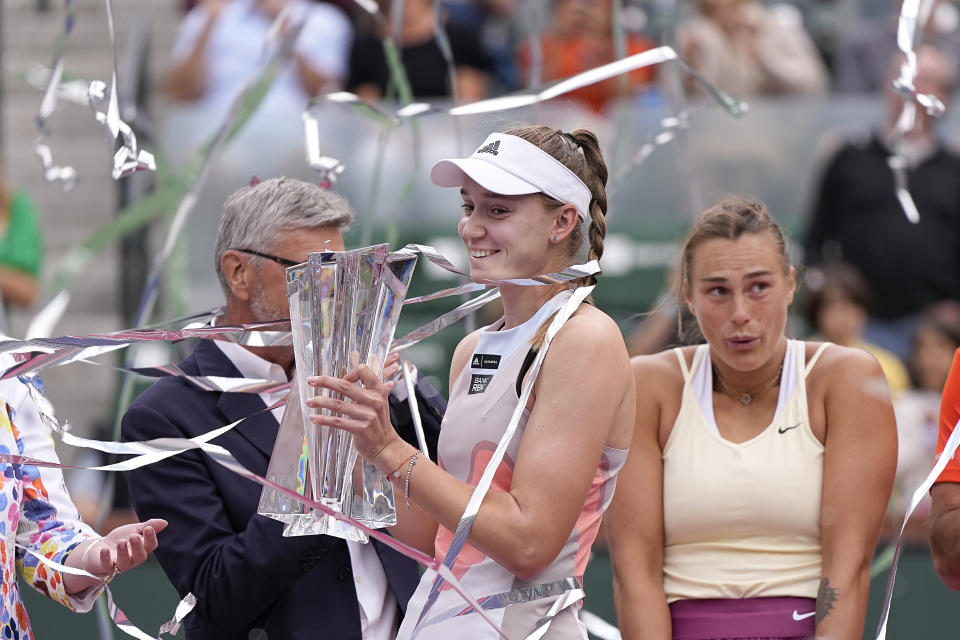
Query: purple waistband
x=742 y=619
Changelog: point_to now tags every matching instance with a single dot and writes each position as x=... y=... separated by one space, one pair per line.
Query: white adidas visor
x=511 y=166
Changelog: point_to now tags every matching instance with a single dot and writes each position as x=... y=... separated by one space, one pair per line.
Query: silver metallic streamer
x=671 y=126
x=51 y=171
x=184 y=607
x=48 y=352
x=129 y=158
x=443 y=42
x=911 y=12
x=118 y=617
x=187 y=205
x=566 y=600
x=949 y=450
x=734 y=106
x=329 y=168
x=162 y=448
x=570 y=587
x=50 y=315
x=597 y=626
x=72 y=91
x=425 y=331
x=631 y=63
x=222 y=384
x=470 y=287
x=572 y=272
x=409 y=373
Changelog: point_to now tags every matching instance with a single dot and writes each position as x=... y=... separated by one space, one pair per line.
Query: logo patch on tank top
x=479 y=382
x=485 y=361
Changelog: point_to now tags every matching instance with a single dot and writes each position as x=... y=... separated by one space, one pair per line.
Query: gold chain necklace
x=746 y=397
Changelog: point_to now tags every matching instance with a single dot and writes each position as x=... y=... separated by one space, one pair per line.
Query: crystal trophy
x=344 y=307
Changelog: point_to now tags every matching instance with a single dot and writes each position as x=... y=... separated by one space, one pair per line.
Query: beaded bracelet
x=406 y=484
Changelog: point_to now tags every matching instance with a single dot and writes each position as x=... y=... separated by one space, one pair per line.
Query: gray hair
x=253 y=216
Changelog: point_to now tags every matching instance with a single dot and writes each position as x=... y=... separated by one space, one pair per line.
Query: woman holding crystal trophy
x=533 y=439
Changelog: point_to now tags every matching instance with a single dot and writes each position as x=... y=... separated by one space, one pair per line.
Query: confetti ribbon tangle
x=72 y=348
x=912 y=13
x=40 y=353
x=129 y=157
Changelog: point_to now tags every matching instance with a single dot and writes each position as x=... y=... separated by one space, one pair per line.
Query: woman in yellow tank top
x=760 y=468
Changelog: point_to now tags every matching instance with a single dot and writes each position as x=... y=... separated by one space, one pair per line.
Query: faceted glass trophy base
x=312 y=524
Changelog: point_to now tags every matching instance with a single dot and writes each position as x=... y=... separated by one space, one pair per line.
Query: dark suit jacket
x=244 y=573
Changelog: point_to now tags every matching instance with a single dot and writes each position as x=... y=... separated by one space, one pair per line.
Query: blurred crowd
x=746 y=47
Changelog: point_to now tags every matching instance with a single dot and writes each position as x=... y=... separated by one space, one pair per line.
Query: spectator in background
x=858 y=219
x=936 y=339
x=492 y=20
x=837 y=309
x=187 y=5
x=748 y=49
x=219 y=44
x=21 y=248
x=580 y=38
x=422 y=58
x=860 y=61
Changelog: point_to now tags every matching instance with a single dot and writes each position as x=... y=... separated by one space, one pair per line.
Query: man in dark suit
x=249 y=580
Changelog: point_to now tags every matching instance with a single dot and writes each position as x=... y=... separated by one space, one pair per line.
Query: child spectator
x=837 y=309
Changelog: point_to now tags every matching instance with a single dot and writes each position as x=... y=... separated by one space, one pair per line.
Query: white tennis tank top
x=482 y=400
x=742 y=520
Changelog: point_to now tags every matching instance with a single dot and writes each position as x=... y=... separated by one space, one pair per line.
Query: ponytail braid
x=595 y=177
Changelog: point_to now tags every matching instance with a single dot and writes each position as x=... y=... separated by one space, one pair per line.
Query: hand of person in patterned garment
x=120 y=550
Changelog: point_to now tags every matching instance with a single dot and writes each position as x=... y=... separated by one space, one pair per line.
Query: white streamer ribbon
x=910 y=13
x=117 y=616
x=949 y=449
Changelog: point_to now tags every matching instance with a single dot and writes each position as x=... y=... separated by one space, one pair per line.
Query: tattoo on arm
x=826 y=597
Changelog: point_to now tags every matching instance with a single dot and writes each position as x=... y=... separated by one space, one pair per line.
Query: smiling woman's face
x=506 y=236
x=739 y=292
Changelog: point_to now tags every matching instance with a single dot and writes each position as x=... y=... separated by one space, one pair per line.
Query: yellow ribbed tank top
x=742 y=520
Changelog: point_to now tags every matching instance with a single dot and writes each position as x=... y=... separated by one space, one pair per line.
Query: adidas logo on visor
x=510 y=165
x=490 y=148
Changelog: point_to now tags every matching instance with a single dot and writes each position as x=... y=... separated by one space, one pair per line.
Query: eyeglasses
x=282 y=261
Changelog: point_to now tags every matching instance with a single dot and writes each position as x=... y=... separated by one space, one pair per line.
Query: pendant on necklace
x=745 y=399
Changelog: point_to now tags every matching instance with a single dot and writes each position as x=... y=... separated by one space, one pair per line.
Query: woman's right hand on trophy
x=362 y=410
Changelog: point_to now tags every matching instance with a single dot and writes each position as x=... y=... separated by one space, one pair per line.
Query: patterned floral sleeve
x=46 y=520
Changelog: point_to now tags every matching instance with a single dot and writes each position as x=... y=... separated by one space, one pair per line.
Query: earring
x=556 y=238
